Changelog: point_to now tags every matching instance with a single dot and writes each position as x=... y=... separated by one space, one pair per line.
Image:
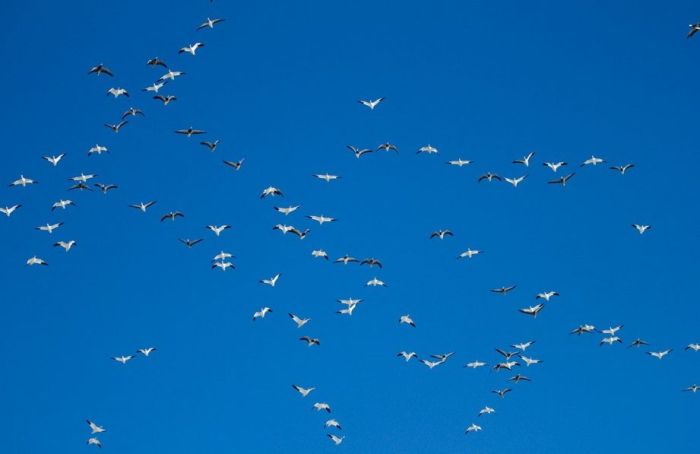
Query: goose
x=236 y=165
x=333 y=423
x=472 y=428
x=693 y=29
x=612 y=330
x=210 y=145
x=189 y=132
x=469 y=253
x=319 y=254
x=303 y=391
x=525 y=160
x=371 y=262
x=694 y=347
x=374 y=282
x=407 y=320
x=23 y=181
x=67 y=245
x=270 y=191
x=509 y=365
x=622 y=169
x=546 y=295
x=475 y=364
x=503 y=290
x=610 y=340
x=97 y=149
x=217 y=229
x=100 y=69
x=350 y=301
x=532 y=310
x=132 y=112
x=336 y=439
x=582 y=329
x=272 y=281
x=515 y=181
x=507 y=355
x=326 y=177
x=287 y=210
x=49 y=227
x=661 y=354
x=80 y=187
x=310 y=341
x=427 y=149
x=346 y=259
x=298 y=320
x=171 y=75
x=94 y=441
x=638 y=343
x=459 y=162
x=190 y=243
x=223 y=266
x=530 y=361
x=172 y=216
x=223 y=256
x=54 y=160
x=488 y=176
x=592 y=161
x=321 y=219
x=261 y=313
x=191 y=49
x=442 y=233
x=348 y=310
x=554 y=166
x=165 y=99
x=431 y=364
x=7 y=211
x=123 y=359
x=95 y=428
x=154 y=87
x=486 y=411
x=105 y=187
x=386 y=146
x=407 y=355
x=359 y=152
x=641 y=228
x=283 y=228
x=371 y=103
x=517 y=378
x=156 y=62
x=63 y=204
x=209 y=23
x=82 y=178
x=442 y=356
x=692 y=388
x=563 y=180
x=299 y=233
x=146 y=351
x=117 y=92
x=36 y=261
x=523 y=345
x=502 y=392
x=143 y=206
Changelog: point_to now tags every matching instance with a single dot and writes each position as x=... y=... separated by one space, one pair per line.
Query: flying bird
x=222 y=265
x=371 y=103
x=7 y=211
x=146 y=351
x=172 y=216
x=100 y=69
x=63 y=204
x=94 y=441
x=189 y=132
x=171 y=75
x=272 y=281
x=117 y=92
x=562 y=180
x=546 y=295
x=407 y=320
x=321 y=219
x=486 y=411
x=191 y=49
x=210 y=145
x=554 y=166
x=346 y=259
x=472 y=428
x=661 y=354
x=459 y=162
x=23 y=181
x=638 y=343
x=36 y=261
x=143 y=206
x=610 y=340
x=97 y=149
x=123 y=359
x=319 y=254
x=336 y=439
x=592 y=161
x=95 y=428
x=427 y=149
x=298 y=320
x=501 y=392
x=469 y=253
x=333 y=423
x=622 y=169
x=54 y=160
x=67 y=245
x=488 y=176
x=156 y=62
x=286 y=210
x=532 y=310
x=218 y=229
x=310 y=341
x=359 y=152
x=374 y=282
x=190 y=243
x=525 y=160
x=303 y=391
x=49 y=227
x=693 y=29
x=209 y=23
x=371 y=262
x=165 y=99
x=105 y=187
x=475 y=364
x=442 y=233
x=641 y=228
x=407 y=355
x=236 y=165
x=261 y=313
x=270 y=191
x=386 y=146
x=515 y=181
x=503 y=290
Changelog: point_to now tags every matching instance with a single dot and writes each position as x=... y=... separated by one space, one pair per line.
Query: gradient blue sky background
x=278 y=84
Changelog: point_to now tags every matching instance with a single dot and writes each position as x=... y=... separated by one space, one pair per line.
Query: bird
x=209 y=23
x=336 y=439
x=371 y=103
x=299 y=233
x=530 y=361
x=49 y=227
x=346 y=259
x=661 y=354
x=36 y=261
x=612 y=330
x=298 y=320
x=97 y=149
x=191 y=49
x=407 y=320
x=172 y=216
x=271 y=191
x=283 y=228
x=105 y=187
x=155 y=87
x=67 y=245
x=693 y=29
x=350 y=301
x=321 y=219
x=532 y=310
x=641 y=228
x=475 y=364
x=156 y=62
x=486 y=411
x=319 y=254
x=223 y=266
x=261 y=313
x=117 y=92
x=515 y=181
x=692 y=388
x=190 y=243
x=371 y=262
x=94 y=441
x=374 y=282
x=442 y=233
x=523 y=345
x=554 y=166
x=286 y=210
x=525 y=160
x=469 y=253
x=54 y=160
x=310 y=341
x=386 y=146
x=622 y=169
x=165 y=99
x=123 y=359
x=427 y=149
x=504 y=290
x=546 y=295
x=407 y=355
x=610 y=340
x=143 y=206
x=132 y=112
x=223 y=256
x=235 y=164
x=517 y=378
x=146 y=351
x=508 y=365
x=303 y=391
x=359 y=152
x=100 y=69
x=472 y=428
x=562 y=180
x=82 y=178
x=333 y=423
x=694 y=347
x=189 y=132
x=210 y=145
x=638 y=343
x=7 y=211
x=488 y=176
x=272 y=281
x=592 y=161
x=23 y=181
x=459 y=162
x=95 y=428
x=431 y=364
x=326 y=177
x=80 y=187
x=507 y=355
x=501 y=392
x=171 y=75
x=218 y=229
x=347 y=310
x=442 y=356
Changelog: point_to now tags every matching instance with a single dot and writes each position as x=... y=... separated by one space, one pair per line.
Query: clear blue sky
x=278 y=83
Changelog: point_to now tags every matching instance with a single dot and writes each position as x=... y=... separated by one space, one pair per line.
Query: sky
x=278 y=83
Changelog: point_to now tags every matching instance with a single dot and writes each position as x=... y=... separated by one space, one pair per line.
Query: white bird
x=319 y=254
x=209 y=23
x=431 y=364
x=319 y=406
x=442 y=233
x=270 y=191
x=515 y=181
x=97 y=149
x=346 y=259
x=236 y=165
x=641 y=228
x=117 y=92
x=359 y=152
x=123 y=359
x=155 y=87
x=62 y=204
x=82 y=178
x=7 y=211
x=523 y=345
x=336 y=439
x=143 y=206
x=486 y=411
x=146 y=351
x=287 y=210
x=299 y=321
x=94 y=441
x=612 y=330
x=532 y=310
x=508 y=365
x=333 y=423
x=223 y=266
x=530 y=361
x=660 y=355
x=469 y=253
x=165 y=99
x=594 y=161
x=525 y=160
x=303 y=391
x=546 y=295
x=23 y=181
x=321 y=219
x=67 y=245
x=374 y=282
x=622 y=169
x=386 y=146
x=407 y=355
x=326 y=177
x=261 y=313
x=407 y=320
x=94 y=427
x=694 y=28
x=191 y=49
x=427 y=149
x=116 y=127
x=272 y=281
x=475 y=364
x=171 y=75
x=54 y=160
x=49 y=227
x=36 y=261
x=217 y=229
x=692 y=388
x=348 y=310
x=371 y=103
x=554 y=166
x=473 y=428
x=610 y=340
x=694 y=347
x=223 y=256
x=459 y=162
x=582 y=329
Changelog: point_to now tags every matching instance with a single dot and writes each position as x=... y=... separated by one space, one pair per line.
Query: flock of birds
x=511 y=359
